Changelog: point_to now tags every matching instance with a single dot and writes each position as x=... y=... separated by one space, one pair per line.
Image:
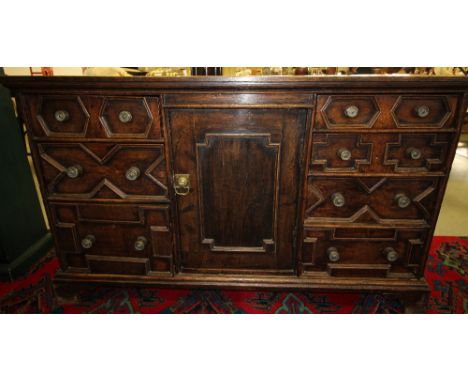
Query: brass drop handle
x=133 y=173
x=390 y=254
x=338 y=199
x=88 y=241
x=402 y=200
x=344 y=154
x=61 y=115
x=414 y=153
x=351 y=111
x=74 y=171
x=333 y=254
x=140 y=243
x=125 y=116
x=422 y=111
x=182 y=184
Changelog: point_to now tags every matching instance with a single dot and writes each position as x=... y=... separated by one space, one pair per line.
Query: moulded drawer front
x=104 y=171
x=379 y=153
x=130 y=239
x=367 y=252
x=73 y=116
x=388 y=111
x=371 y=200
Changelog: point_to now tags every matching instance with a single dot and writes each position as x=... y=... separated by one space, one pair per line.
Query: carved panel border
x=268 y=245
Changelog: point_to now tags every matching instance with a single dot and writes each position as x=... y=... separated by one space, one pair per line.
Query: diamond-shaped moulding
x=76 y=123
x=138 y=117
x=334 y=111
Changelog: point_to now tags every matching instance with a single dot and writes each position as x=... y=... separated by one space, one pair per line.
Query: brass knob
x=88 y=241
x=414 y=153
x=125 y=116
x=390 y=254
x=61 y=115
x=333 y=254
x=351 y=111
x=344 y=154
x=338 y=199
x=402 y=200
x=133 y=173
x=140 y=243
x=422 y=111
x=74 y=171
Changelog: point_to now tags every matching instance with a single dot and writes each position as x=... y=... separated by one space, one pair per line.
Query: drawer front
x=336 y=112
x=379 y=153
x=364 y=252
x=104 y=171
x=73 y=116
x=371 y=200
x=122 y=239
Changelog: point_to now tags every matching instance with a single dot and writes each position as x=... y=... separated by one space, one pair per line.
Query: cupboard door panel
x=243 y=167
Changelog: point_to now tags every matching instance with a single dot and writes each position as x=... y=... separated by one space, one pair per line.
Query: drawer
x=73 y=116
x=371 y=200
x=380 y=153
x=385 y=112
x=123 y=239
x=100 y=171
x=364 y=252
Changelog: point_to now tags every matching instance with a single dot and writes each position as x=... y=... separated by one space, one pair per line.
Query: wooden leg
x=66 y=293
x=416 y=303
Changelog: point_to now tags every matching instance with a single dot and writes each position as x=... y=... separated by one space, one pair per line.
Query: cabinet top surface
x=252 y=82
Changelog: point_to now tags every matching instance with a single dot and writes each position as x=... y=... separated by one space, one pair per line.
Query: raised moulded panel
x=126 y=117
x=371 y=200
x=362 y=251
x=326 y=153
x=103 y=171
x=421 y=111
x=432 y=150
x=62 y=116
x=241 y=169
x=350 y=111
x=115 y=229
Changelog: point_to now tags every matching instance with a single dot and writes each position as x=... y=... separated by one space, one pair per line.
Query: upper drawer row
x=96 y=117
x=99 y=117
x=385 y=112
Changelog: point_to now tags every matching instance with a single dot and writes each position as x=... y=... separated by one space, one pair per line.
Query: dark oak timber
x=317 y=183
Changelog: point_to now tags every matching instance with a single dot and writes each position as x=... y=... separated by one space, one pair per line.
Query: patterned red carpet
x=445 y=272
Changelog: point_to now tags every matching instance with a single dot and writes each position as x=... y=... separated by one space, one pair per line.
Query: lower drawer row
x=114 y=239
x=366 y=252
x=139 y=239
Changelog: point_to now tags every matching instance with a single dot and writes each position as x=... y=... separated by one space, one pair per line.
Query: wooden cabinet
x=281 y=183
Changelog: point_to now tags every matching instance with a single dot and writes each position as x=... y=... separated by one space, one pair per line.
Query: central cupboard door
x=237 y=179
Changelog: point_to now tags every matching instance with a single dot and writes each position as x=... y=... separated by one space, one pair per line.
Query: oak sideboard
x=316 y=183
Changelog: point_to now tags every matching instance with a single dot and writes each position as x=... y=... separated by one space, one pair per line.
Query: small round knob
x=132 y=173
x=333 y=254
x=74 y=171
x=61 y=115
x=351 y=111
x=125 y=116
x=422 y=111
x=414 y=153
x=338 y=199
x=344 y=154
x=402 y=200
x=88 y=241
x=140 y=243
x=390 y=254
